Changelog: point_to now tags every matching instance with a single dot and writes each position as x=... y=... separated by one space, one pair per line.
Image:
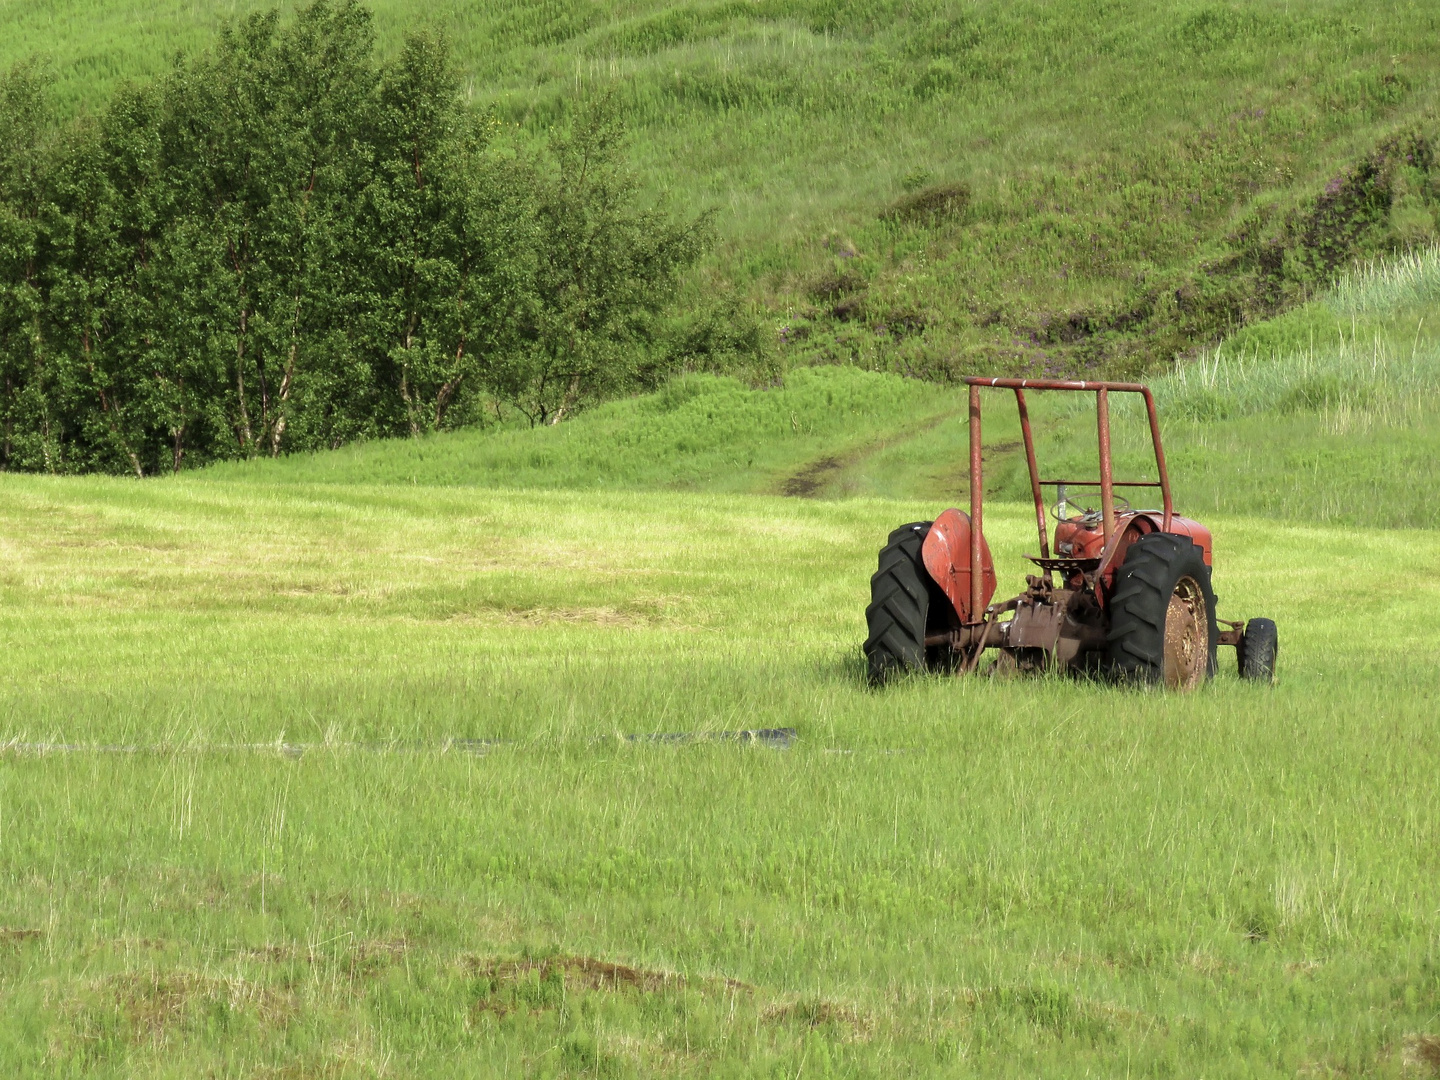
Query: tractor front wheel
x=1162 y=614
x=905 y=603
x=1258 y=647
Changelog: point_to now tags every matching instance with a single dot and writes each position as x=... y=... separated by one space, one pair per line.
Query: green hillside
x=918 y=185
x=1330 y=413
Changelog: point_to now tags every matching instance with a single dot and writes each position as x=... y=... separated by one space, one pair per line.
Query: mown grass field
x=950 y=878
x=323 y=767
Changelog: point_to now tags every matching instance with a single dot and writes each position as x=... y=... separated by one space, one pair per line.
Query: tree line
x=286 y=244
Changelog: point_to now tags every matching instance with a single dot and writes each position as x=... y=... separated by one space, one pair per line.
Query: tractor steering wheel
x=1088 y=515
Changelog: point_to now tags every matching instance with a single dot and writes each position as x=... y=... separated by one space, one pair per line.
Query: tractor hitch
x=1234 y=635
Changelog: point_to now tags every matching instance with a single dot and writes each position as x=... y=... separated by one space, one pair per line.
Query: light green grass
x=699 y=431
x=947 y=878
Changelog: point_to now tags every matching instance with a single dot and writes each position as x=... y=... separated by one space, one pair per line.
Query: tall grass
x=1410 y=279
x=1363 y=368
x=1327 y=414
x=1375 y=382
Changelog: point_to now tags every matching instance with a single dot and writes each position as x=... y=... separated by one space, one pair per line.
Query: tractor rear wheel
x=1162 y=614
x=903 y=607
x=1258 y=647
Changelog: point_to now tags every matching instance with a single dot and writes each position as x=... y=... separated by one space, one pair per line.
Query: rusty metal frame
x=1107 y=484
x=977 y=499
x=1035 y=480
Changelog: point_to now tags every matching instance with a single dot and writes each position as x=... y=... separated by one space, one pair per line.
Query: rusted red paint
x=1035 y=491
x=947 y=553
x=1074 y=540
x=1187 y=527
x=1131 y=527
x=1063 y=623
x=975 y=604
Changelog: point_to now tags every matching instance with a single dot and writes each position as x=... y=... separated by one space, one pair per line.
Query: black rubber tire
x=899 y=611
x=1259 y=646
x=1140 y=599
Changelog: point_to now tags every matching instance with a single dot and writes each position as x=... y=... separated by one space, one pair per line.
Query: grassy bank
x=929 y=186
x=1326 y=415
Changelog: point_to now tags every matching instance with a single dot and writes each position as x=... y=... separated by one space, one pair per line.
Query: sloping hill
x=1330 y=413
x=921 y=185
x=701 y=431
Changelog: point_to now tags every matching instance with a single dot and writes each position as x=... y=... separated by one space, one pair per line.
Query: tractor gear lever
x=1088 y=515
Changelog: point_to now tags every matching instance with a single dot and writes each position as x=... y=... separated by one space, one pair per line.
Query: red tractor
x=1126 y=592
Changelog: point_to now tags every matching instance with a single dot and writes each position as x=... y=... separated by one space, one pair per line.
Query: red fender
x=946 y=553
x=1135 y=525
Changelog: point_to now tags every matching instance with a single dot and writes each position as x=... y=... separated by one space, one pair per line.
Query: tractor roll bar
x=1108 y=483
x=1091 y=483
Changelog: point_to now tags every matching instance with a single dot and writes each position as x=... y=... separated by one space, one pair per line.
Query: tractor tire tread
x=899 y=609
x=1259 y=646
x=1139 y=603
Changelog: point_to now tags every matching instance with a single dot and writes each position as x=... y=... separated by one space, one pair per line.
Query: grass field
x=323 y=767
x=339 y=765
x=949 y=878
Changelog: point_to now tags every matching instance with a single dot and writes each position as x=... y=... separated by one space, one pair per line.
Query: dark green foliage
x=603 y=273
x=23 y=126
x=285 y=245
x=932 y=205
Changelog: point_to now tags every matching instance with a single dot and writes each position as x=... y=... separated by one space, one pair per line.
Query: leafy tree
x=448 y=236
x=25 y=124
x=268 y=139
x=605 y=271
x=283 y=244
